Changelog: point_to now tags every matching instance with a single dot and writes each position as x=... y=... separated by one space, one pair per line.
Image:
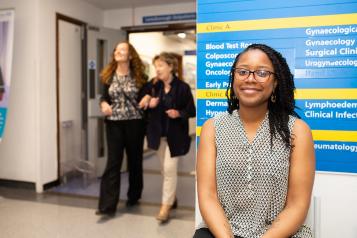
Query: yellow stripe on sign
x=340 y=93
x=346 y=136
x=278 y=23
x=198 y=130
x=321 y=135
x=211 y=93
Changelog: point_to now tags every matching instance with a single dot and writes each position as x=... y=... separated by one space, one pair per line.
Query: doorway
x=82 y=51
x=181 y=40
x=72 y=133
x=168 y=39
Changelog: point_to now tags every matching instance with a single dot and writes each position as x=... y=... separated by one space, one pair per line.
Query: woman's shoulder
x=152 y=83
x=221 y=118
x=208 y=123
x=300 y=127
x=298 y=123
x=145 y=77
x=224 y=115
x=208 y=127
x=181 y=82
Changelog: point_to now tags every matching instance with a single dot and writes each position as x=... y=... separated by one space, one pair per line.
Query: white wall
x=28 y=151
x=47 y=78
x=338 y=209
x=118 y=18
x=18 y=147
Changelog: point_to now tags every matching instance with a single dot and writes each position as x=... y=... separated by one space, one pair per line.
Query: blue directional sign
x=319 y=41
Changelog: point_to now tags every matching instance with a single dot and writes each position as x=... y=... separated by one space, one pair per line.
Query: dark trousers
x=128 y=135
x=205 y=233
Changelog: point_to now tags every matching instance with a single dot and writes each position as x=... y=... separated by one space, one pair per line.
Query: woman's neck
x=167 y=84
x=252 y=114
x=122 y=68
x=251 y=118
x=168 y=81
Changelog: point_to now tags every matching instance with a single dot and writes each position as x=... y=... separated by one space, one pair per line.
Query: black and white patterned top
x=123 y=93
x=252 y=178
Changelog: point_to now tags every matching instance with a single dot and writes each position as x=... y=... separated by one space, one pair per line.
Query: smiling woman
x=255 y=163
x=122 y=104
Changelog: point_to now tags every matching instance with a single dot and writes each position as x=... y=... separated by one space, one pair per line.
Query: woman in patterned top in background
x=256 y=163
x=122 y=105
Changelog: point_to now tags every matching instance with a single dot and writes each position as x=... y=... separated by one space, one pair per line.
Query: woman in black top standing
x=171 y=106
x=122 y=105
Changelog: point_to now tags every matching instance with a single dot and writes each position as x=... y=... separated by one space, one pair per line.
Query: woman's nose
x=251 y=77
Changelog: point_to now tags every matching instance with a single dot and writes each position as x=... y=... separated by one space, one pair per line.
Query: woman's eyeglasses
x=260 y=75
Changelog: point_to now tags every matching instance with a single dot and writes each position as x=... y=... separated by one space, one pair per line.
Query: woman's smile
x=250 y=90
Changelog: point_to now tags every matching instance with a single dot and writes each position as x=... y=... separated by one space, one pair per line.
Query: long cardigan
x=178 y=138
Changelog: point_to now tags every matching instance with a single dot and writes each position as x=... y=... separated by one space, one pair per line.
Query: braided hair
x=284 y=104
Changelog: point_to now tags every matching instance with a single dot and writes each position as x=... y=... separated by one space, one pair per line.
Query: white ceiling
x=114 y=4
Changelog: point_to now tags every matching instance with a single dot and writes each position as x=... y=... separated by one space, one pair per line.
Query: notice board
x=319 y=41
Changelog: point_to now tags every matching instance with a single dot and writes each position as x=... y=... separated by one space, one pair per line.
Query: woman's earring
x=273 y=98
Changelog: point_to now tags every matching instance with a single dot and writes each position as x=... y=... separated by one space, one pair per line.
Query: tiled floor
x=68 y=210
x=25 y=214
x=152 y=182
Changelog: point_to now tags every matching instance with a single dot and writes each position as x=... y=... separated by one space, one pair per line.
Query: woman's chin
x=252 y=102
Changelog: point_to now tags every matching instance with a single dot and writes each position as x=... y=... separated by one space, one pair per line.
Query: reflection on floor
x=152 y=182
x=23 y=213
x=68 y=210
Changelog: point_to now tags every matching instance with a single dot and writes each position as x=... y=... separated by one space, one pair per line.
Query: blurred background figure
x=171 y=105
x=2 y=85
x=122 y=105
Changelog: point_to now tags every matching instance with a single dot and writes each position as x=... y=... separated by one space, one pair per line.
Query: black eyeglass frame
x=254 y=75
